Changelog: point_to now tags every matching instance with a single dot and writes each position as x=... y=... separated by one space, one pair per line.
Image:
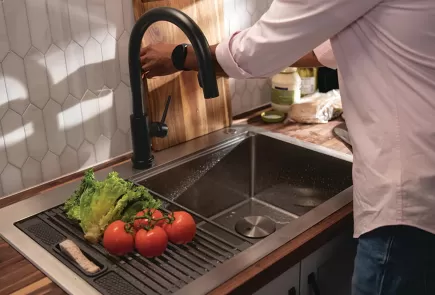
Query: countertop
x=19 y=276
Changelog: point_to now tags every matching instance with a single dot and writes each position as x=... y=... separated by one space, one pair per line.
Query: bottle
x=309 y=80
x=286 y=89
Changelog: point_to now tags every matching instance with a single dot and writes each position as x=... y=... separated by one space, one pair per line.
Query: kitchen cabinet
x=328 y=270
x=286 y=284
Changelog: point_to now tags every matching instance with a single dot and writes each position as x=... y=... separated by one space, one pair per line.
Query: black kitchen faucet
x=140 y=131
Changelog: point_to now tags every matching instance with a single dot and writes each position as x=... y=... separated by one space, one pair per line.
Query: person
x=385 y=53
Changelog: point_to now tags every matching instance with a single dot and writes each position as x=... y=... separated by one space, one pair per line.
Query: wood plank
x=19 y=276
x=190 y=115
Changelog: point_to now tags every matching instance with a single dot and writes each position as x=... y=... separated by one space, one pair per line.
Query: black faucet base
x=142 y=156
x=142 y=165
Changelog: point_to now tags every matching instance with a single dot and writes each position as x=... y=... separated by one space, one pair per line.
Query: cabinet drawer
x=286 y=284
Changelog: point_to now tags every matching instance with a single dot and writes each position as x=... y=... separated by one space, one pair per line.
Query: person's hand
x=156 y=60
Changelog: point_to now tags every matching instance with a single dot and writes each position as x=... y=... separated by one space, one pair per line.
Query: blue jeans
x=395 y=260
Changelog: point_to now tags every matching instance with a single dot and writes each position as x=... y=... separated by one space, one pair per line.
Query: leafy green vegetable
x=137 y=193
x=72 y=205
x=96 y=204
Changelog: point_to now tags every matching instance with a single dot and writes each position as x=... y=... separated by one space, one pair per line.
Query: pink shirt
x=385 y=50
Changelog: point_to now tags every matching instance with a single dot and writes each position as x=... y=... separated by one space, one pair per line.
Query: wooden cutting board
x=189 y=115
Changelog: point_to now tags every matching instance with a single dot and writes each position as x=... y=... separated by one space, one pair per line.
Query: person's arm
x=156 y=60
x=286 y=32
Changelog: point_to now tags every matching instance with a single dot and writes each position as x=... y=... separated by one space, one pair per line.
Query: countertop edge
x=258 y=274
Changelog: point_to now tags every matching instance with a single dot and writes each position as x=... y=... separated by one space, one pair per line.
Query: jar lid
x=272 y=116
x=289 y=70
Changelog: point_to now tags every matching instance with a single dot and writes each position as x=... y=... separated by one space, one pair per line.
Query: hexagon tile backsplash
x=64 y=84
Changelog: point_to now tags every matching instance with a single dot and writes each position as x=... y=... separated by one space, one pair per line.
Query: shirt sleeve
x=325 y=55
x=287 y=31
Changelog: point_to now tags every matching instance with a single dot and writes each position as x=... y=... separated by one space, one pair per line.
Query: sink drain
x=255 y=226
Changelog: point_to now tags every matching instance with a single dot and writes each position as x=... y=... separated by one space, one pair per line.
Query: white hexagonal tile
x=256 y=98
x=11 y=180
x=17 y=26
x=86 y=155
x=232 y=83
x=251 y=6
x=37 y=80
x=123 y=107
x=35 y=132
x=240 y=6
x=4 y=105
x=94 y=66
x=97 y=19
x=129 y=141
x=79 y=21
x=246 y=101
x=123 y=57
x=240 y=87
x=102 y=149
x=265 y=93
x=236 y=103
x=234 y=25
x=107 y=112
x=4 y=40
x=91 y=117
x=40 y=32
x=15 y=138
x=112 y=73
x=75 y=65
x=50 y=166
x=3 y=156
x=57 y=73
x=59 y=22
x=31 y=172
x=54 y=125
x=72 y=118
x=69 y=160
x=115 y=18
x=119 y=144
x=251 y=84
x=244 y=21
x=16 y=82
x=127 y=9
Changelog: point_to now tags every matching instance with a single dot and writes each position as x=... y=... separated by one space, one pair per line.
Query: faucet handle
x=165 y=112
x=160 y=129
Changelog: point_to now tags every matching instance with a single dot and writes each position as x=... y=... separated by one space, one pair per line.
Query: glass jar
x=308 y=80
x=286 y=89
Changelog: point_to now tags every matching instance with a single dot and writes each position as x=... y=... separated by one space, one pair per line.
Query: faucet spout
x=142 y=156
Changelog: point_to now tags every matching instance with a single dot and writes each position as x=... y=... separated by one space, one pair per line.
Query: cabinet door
x=328 y=271
x=286 y=284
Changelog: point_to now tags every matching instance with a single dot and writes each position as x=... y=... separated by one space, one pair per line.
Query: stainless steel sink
x=220 y=178
x=252 y=175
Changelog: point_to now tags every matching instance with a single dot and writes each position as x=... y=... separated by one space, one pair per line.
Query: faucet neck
x=142 y=157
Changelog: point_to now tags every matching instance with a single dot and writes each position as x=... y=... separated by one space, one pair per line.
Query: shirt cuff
x=325 y=55
x=226 y=60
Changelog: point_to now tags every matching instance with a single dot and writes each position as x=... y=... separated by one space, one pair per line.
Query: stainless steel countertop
x=73 y=284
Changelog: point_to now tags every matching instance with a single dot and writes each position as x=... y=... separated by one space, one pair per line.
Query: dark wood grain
x=18 y=275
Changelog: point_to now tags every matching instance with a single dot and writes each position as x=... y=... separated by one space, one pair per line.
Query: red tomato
x=140 y=223
x=117 y=240
x=182 y=230
x=151 y=243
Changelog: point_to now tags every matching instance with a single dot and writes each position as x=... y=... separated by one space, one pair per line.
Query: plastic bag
x=316 y=108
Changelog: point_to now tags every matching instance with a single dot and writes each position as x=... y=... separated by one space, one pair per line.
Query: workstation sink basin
x=253 y=175
x=249 y=190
